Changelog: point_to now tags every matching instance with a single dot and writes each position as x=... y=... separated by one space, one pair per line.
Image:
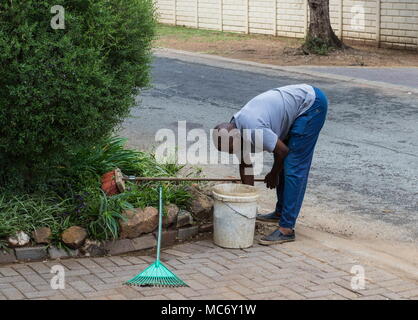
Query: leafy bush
x=316 y=46
x=65 y=90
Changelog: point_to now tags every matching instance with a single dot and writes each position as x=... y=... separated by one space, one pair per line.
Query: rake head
x=156 y=275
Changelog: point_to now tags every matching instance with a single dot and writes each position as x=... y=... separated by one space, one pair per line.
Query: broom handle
x=160 y=223
x=184 y=179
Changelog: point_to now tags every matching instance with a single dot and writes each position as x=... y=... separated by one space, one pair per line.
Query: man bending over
x=290 y=119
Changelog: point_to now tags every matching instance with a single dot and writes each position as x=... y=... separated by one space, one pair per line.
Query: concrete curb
x=230 y=63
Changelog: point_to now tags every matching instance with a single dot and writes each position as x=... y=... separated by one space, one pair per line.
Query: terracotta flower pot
x=112 y=182
x=109 y=184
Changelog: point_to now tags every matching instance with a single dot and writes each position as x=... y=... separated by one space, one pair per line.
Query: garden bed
x=77 y=215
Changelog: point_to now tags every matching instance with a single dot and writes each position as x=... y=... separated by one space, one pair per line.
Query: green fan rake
x=157 y=274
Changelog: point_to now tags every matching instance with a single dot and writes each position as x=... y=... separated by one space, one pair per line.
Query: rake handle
x=139 y=179
x=160 y=222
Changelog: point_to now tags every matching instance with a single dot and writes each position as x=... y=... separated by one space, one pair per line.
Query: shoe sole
x=267 y=220
x=268 y=243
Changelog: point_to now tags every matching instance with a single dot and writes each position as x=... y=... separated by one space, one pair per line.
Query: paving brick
x=345 y=293
x=409 y=293
x=119 y=246
x=72 y=264
x=392 y=283
x=212 y=273
x=7 y=272
x=81 y=286
x=403 y=287
x=155 y=297
x=196 y=285
x=12 y=294
x=40 y=267
x=57 y=297
x=168 y=237
x=231 y=295
x=23 y=269
x=374 y=297
x=176 y=253
x=104 y=262
x=92 y=279
x=31 y=253
x=147 y=241
x=175 y=296
x=41 y=294
x=392 y=296
x=120 y=261
x=72 y=294
x=290 y=294
x=58 y=253
x=318 y=294
x=11 y=279
x=7 y=257
x=24 y=286
x=187 y=233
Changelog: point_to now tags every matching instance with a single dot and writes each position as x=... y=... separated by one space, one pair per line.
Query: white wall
x=387 y=22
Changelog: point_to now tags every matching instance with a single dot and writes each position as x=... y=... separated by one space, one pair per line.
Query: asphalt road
x=366 y=160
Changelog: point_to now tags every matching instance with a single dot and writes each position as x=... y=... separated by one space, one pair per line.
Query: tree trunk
x=320 y=30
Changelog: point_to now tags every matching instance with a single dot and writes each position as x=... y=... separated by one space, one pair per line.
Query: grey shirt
x=274 y=112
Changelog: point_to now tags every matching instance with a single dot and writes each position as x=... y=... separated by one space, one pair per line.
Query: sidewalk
x=407 y=77
x=298 y=270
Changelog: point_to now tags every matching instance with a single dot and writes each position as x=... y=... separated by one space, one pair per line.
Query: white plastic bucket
x=234 y=214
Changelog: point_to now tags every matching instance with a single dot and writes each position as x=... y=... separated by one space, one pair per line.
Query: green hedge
x=65 y=89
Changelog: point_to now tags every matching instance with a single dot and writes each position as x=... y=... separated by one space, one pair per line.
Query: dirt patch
x=277 y=50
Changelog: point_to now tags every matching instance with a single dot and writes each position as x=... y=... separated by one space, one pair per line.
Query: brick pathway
x=288 y=271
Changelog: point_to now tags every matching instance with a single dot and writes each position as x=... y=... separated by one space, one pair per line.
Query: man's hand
x=246 y=178
x=271 y=180
x=280 y=152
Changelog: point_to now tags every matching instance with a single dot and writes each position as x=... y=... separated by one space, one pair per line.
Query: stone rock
x=184 y=219
x=42 y=235
x=137 y=222
x=20 y=239
x=74 y=237
x=171 y=215
x=201 y=205
x=92 y=248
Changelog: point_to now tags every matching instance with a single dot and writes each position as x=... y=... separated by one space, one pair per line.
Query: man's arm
x=246 y=173
x=280 y=152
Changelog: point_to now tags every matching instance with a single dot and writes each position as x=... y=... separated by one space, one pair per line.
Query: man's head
x=227 y=137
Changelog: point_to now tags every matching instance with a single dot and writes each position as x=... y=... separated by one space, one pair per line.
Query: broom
x=157 y=274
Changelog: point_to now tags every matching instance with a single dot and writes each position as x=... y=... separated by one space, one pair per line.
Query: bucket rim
x=238 y=197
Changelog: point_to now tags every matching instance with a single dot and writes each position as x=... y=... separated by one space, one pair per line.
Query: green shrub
x=317 y=46
x=65 y=90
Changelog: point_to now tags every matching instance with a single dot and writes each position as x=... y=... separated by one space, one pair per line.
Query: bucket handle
x=242 y=215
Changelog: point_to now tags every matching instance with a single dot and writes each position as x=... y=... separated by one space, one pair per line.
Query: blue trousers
x=301 y=142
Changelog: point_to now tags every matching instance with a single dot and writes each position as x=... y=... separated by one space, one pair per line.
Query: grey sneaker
x=269 y=217
x=277 y=237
